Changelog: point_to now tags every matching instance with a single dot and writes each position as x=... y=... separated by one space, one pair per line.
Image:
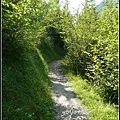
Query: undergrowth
x=90 y=98
x=26 y=92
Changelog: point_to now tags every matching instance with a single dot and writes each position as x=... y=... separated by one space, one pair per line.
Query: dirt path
x=66 y=105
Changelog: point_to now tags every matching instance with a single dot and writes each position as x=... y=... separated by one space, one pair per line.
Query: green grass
x=90 y=98
x=50 y=51
x=26 y=91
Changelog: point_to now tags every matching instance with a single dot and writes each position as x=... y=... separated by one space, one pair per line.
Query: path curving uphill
x=66 y=105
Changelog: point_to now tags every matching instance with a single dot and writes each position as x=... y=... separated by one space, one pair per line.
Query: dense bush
x=93 y=48
x=103 y=70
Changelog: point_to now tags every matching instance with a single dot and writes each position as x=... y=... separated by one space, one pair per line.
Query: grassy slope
x=89 y=97
x=26 y=93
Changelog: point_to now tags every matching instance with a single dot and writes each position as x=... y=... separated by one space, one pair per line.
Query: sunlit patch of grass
x=26 y=90
x=90 y=98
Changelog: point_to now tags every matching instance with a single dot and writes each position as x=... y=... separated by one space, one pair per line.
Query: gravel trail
x=66 y=105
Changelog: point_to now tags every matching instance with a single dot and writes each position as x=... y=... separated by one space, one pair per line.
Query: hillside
x=26 y=86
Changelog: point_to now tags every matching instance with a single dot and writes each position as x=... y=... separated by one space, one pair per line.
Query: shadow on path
x=66 y=105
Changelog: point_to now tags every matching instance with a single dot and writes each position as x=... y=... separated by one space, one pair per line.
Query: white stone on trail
x=66 y=105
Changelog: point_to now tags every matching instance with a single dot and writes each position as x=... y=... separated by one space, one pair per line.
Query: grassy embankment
x=26 y=92
x=90 y=98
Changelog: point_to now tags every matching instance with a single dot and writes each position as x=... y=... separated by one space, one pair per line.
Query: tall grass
x=90 y=97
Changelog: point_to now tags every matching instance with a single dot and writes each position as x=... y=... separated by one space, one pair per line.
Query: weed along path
x=66 y=105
